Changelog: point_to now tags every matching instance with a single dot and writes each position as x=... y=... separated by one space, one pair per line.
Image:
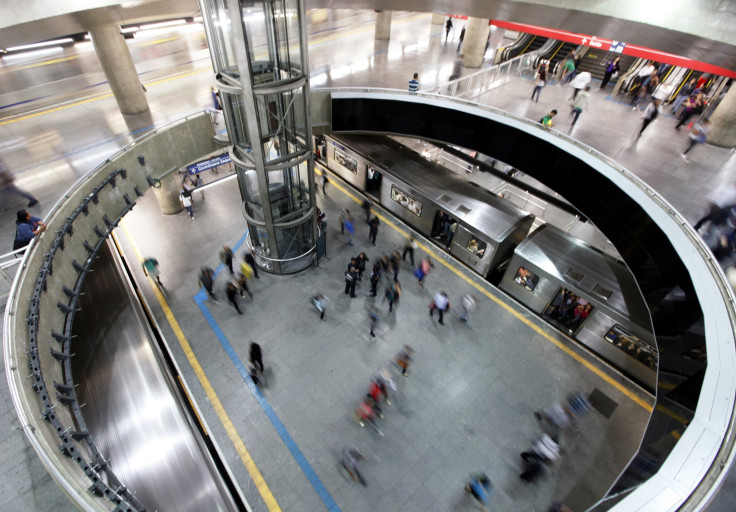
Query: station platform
x=469 y=400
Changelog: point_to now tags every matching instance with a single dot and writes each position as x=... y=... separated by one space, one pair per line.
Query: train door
x=443 y=228
x=568 y=310
x=373 y=183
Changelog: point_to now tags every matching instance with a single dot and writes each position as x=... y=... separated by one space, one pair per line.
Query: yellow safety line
x=227 y=423
x=577 y=357
x=672 y=414
x=45 y=63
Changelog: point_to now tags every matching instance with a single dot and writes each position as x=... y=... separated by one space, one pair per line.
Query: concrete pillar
x=167 y=194
x=474 y=42
x=438 y=19
x=723 y=122
x=383 y=25
x=114 y=56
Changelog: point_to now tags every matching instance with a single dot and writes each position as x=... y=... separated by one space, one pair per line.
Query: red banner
x=618 y=47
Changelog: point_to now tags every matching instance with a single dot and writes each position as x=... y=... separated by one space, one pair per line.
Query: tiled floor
x=468 y=402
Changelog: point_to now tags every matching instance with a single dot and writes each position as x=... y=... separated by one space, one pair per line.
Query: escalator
x=525 y=43
x=557 y=55
x=594 y=62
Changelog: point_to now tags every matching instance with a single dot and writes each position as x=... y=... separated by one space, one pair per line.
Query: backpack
x=246 y=270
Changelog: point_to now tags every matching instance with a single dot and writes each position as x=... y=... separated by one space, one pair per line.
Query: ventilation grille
x=602 y=292
x=445 y=198
x=574 y=276
x=463 y=209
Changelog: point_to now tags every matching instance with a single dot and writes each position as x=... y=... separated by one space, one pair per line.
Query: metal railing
x=488 y=79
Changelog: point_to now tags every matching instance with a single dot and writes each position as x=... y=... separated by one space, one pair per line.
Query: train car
x=587 y=294
x=474 y=225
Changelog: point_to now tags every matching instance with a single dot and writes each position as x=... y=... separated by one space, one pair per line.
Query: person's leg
x=576 y=114
x=690 y=146
x=644 y=125
x=442 y=312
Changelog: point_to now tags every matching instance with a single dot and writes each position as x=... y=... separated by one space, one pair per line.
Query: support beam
x=383 y=25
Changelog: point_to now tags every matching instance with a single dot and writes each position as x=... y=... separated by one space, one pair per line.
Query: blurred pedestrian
x=366 y=415
x=243 y=285
x=374 y=314
x=579 y=83
x=684 y=94
x=343 y=215
x=462 y=37
x=7 y=185
x=373 y=229
x=350 y=228
x=392 y=294
x=250 y=259
x=185 y=198
x=568 y=68
x=231 y=292
x=366 y=205
x=698 y=135
x=468 y=304
x=544 y=452
x=255 y=355
x=580 y=104
x=351 y=458
x=448 y=27
x=361 y=262
x=650 y=114
x=325 y=181
x=480 y=488
x=207 y=280
x=396 y=264
x=440 y=303
x=540 y=80
x=226 y=256
x=409 y=247
x=321 y=302
x=375 y=277
x=198 y=182
x=422 y=270
x=150 y=268
x=403 y=359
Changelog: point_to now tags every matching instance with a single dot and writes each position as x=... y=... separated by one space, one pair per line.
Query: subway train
x=577 y=288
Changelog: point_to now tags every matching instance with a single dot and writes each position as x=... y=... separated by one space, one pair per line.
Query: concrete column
x=167 y=194
x=438 y=19
x=474 y=42
x=383 y=25
x=114 y=56
x=723 y=122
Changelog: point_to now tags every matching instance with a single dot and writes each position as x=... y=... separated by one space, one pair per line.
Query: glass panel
x=234 y=107
x=405 y=200
x=526 y=279
x=277 y=121
x=477 y=247
x=253 y=205
x=633 y=346
x=288 y=191
x=296 y=240
x=272 y=34
x=568 y=310
x=221 y=41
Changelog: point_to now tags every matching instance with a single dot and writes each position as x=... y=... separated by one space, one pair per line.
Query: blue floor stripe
x=199 y=299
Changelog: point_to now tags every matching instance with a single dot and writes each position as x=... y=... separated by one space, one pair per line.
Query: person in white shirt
x=441 y=303
x=580 y=104
x=185 y=198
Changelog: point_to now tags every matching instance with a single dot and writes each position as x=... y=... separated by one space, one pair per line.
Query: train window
x=633 y=346
x=477 y=247
x=568 y=309
x=347 y=162
x=405 y=200
x=526 y=279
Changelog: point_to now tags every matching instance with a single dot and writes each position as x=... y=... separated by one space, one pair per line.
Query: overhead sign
x=618 y=46
x=210 y=163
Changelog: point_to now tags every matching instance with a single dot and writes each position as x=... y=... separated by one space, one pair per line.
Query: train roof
x=600 y=277
x=477 y=207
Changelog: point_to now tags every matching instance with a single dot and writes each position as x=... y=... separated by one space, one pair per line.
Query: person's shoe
x=684 y=157
x=353 y=296
x=373 y=334
x=32 y=202
x=538 y=416
x=381 y=415
x=388 y=402
x=441 y=322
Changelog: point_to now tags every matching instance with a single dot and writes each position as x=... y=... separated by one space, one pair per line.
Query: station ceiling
x=697 y=29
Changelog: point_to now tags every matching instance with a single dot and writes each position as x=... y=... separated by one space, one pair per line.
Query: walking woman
x=612 y=69
x=539 y=81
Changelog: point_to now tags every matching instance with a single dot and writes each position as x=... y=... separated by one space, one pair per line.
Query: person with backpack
x=26 y=228
x=547 y=120
x=650 y=114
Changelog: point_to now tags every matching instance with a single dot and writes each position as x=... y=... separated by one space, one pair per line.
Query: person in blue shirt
x=480 y=488
x=414 y=83
x=26 y=228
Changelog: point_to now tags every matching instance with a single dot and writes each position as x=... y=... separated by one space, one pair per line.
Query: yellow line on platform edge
x=227 y=423
x=577 y=357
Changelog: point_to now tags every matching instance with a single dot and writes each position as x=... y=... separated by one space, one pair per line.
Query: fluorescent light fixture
x=197 y=19
x=163 y=24
x=55 y=42
x=129 y=30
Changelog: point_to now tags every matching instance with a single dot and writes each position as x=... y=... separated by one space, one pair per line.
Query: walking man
x=409 y=247
x=441 y=303
x=448 y=27
x=698 y=135
x=226 y=256
x=207 y=280
x=351 y=279
x=650 y=114
x=373 y=229
x=185 y=198
x=230 y=291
